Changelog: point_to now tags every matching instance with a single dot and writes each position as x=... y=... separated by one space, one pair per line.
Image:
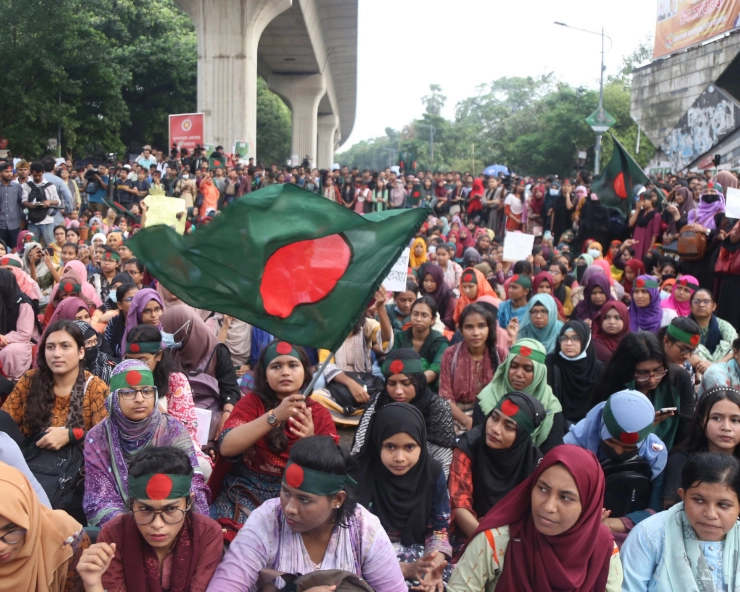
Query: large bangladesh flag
x=286 y=260
x=615 y=185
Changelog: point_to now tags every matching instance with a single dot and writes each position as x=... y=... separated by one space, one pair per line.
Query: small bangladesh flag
x=284 y=259
x=615 y=185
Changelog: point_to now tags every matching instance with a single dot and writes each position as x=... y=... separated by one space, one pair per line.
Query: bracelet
x=76 y=435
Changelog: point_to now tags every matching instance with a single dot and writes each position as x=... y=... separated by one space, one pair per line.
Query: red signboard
x=3 y=143
x=186 y=130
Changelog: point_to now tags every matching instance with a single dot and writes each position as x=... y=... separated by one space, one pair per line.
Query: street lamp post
x=597 y=147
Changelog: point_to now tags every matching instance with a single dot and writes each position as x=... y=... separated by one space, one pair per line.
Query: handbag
x=61 y=473
x=691 y=244
x=345 y=581
x=728 y=262
x=343 y=397
x=231 y=526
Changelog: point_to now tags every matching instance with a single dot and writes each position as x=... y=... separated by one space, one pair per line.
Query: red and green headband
x=111 y=256
x=683 y=336
x=513 y=411
x=315 y=482
x=528 y=352
x=132 y=378
x=410 y=366
x=617 y=432
x=522 y=280
x=143 y=347
x=643 y=283
x=469 y=277
x=687 y=284
x=159 y=486
x=11 y=262
x=69 y=287
x=280 y=348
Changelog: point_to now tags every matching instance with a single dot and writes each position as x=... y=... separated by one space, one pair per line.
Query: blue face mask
x=112 y=296
x=169 y=338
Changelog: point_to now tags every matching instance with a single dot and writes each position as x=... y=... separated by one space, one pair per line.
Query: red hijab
x=577 y=560
x=546 y=276
x=638 y=269
x=605 y=344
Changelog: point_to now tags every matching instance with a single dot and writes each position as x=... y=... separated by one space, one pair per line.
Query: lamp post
x=597 y=147
x=432 y=129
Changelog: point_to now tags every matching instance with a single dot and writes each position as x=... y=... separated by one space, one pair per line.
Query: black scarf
x=402 y=503
x=572 y=380
x=12 y=298
x=713 y=334
x=497 y=472
x=596 y=216
x=644 y=218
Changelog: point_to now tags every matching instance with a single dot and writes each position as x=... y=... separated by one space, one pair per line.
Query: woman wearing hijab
x=492 y=459
x=18 y=327
x=596 y=293
x=534 y=209
x=28 y=286
x=473 y=285
x=645 y=311
x=41 y=269
x=619 y=430
x=39 y=547
x=146 y=309
x=546 y=534
x=572 y=370
x=609 y=327
x=134 y=423
x=593 y=223
x=676 y=214
x=418 y=254
x=717 y=335
x=71 y=309
x=632 y=270
x=96 y=362
x=76 y=269
x=407 y=490
x=524 y=371
x=405 y=382
x=541 y=323
x=433 y=284
x=680 y=298
x=543 y=283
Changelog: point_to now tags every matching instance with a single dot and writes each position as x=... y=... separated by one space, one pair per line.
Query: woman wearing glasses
x=160 y=544
x=640 y=363
x=134 y=423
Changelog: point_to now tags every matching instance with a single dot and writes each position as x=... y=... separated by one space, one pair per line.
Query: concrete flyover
x=305 y=49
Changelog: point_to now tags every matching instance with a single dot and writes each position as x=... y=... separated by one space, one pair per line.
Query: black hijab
x=12 y=298
x=423 y=399
x=402 y=503
x=496 y=472
x=572 y=379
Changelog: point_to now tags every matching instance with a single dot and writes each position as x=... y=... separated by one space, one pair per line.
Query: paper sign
x=517 y=246
x=396 y=280
x=732 y=208
x=204 y=425
x=164 y=210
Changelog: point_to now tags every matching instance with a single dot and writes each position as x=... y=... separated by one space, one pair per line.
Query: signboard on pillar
x=186 y=130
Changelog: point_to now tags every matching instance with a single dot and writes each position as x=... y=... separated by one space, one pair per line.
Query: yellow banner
x=164 y=210
x=683 y=23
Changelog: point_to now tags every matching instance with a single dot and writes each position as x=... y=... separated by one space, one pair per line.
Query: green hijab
x=489 y=397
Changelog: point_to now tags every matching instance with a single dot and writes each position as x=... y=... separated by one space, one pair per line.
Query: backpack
x=37 y=195
x=691 y=244
x=60 y=472
x=629 y=485
x=206 y=394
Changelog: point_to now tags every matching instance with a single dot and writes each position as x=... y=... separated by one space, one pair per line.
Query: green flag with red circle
x=615 y=186
x=286 y=260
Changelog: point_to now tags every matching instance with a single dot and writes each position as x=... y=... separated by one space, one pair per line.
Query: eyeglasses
x=685 y=351
x=569 y=338
x=538 y=313
x=702 y=301
x=645 y=376
x=14 y=536
x=92 y=342
x=169 y=516
x=129 y=394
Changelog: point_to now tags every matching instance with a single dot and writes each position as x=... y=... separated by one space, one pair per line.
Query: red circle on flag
x=640 y=283
x=509 y=408
x=514 y=277
x=159 y=487
x=468 y=278
x=396 y=367
x=135 y=348
x=283 y=348
x=4 y=261
x=619 y=187
x=294 y=475
x=68 y=288
x=525 y=351
x=629 y=437
x=694 y=340
x=133 y=378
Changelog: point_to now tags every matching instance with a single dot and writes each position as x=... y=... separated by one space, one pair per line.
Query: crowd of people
x=569 y=421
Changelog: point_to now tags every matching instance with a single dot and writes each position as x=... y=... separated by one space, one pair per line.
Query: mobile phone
x=50 y=250
x=668 y=410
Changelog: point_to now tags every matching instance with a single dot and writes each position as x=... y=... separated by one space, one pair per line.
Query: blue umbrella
x=494 y=169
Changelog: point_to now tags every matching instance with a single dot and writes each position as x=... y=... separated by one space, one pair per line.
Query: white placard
x=732 y=208
x=396 y=280
x=204 y=425
x=517 y=246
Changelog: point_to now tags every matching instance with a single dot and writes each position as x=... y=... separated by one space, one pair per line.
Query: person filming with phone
x=39 y=196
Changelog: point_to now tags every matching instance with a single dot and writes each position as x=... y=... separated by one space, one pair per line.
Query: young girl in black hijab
x=406 y=489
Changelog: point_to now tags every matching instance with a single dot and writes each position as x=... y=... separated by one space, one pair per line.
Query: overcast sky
x=405 y=45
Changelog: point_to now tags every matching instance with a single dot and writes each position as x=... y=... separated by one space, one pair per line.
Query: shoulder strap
x=200 y=368
x=453 y=367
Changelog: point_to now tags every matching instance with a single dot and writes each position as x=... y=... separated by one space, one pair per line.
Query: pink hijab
x=78 y=267
x=682 y=308
x=26 y=283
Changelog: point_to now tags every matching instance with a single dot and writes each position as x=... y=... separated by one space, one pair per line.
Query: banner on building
x=186 y=130
x=683 y=23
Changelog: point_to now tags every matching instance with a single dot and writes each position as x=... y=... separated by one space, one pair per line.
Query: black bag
x=629 y=486
x=60 y=472
x=37 y=195
x=342 y=395
x=345 y=581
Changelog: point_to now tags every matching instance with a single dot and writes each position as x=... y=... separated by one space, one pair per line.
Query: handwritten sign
x=396 y=280
x=732 y=209
x=164 y=210
x=517 y=246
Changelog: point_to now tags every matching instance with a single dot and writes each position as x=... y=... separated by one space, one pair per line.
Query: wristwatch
x=271 y=418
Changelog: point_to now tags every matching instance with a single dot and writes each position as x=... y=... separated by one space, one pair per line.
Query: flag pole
x=309 y=389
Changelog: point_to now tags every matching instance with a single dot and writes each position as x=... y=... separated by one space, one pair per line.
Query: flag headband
x=528 y=352
x=11 y=262
x=130 y=379
x=112 y=256
x=683 y=336
x=143 y=347
x=514 y=412
x=159 y=486
x=69 y=287
x=280 y=348
x=469 y=277
x=643 y=283
x=616 y=431
x=315 y=482
x=687 y=284
x=522 y=280
x=411 y=366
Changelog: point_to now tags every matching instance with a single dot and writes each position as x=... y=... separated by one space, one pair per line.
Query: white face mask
x=186 y=176
x=595 y=253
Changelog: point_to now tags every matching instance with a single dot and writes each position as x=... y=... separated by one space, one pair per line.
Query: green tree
x=273 y=126
x=435 y=101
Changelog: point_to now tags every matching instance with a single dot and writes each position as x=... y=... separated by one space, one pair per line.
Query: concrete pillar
x=228 y=35
x=302 y=93
x=328 y=125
